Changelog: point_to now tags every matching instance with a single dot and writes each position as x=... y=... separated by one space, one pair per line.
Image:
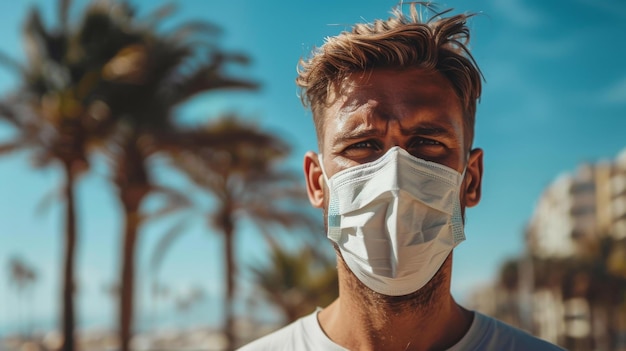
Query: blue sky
x=554 y=97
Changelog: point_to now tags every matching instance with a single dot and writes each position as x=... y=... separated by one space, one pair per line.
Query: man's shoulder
x=281 y=339
x=491 y=334
x=302 y=335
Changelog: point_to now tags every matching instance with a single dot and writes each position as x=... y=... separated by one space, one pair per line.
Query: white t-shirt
x=485 y=334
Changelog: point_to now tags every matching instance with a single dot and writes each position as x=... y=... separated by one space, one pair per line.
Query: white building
x=581 y=206
x=551 y=226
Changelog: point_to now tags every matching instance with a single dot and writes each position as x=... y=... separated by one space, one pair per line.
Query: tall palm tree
x=246 y=178
x=145 y=82
x=55 y=112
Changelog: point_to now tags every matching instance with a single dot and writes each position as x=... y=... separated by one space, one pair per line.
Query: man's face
x=414 y=109
x=375 y=111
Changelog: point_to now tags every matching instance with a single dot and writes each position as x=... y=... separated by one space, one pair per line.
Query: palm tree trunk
x=127 y=288
x=230 y=284
x=133 y=185
x=68 y=265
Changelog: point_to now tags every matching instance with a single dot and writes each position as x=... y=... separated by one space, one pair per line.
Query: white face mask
x=395 y=220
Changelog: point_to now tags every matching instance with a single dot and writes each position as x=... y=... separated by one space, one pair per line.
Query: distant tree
x=158 y=292
x=22 y=277
x=297 y=281
x=185 y=301
x=595 y=273
x=601 y=279
x=509 y=274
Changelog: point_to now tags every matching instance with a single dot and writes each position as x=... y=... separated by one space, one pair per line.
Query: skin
x=367 y=115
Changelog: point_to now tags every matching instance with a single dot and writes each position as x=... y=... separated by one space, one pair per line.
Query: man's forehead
x=420 y=101
x=407 y=86
x=388 y=95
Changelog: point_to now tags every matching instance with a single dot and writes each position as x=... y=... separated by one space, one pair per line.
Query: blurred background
x=151 y=195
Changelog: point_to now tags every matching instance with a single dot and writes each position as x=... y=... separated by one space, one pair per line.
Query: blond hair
x=403 y=42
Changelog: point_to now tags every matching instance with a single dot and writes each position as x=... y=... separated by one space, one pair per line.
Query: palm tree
x=146 y=80
x=56 y=113
x=244 y=175
x=111 y=78
x=297 y=282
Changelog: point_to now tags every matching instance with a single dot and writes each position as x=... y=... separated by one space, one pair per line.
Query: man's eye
x=362 y=151
x=424 y=142
x=427 y=149
x=367 y=144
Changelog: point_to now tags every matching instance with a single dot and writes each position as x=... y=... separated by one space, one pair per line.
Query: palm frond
x=189 y=29
x=284 y=218
x=64 y=9
x=164 y=244
x=51 y=198
x=209 y=78
x=175 y=202
x=12 y=146
x=153 y=19
x=11 y=64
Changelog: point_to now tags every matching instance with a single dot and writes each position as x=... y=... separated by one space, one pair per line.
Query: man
x=393 y=104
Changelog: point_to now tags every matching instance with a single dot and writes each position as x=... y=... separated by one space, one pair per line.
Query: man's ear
x=473 y=178
x=314 y=179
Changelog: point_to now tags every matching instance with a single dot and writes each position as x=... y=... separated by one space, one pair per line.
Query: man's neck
x=361 y=319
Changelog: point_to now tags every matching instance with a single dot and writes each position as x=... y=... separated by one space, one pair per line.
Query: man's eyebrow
x=356 y=134
x=430 y=130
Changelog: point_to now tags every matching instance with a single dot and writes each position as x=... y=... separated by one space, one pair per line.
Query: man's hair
x=401 y=42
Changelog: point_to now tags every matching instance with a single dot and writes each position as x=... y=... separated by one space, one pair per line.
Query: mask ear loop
x=321 y=162
x=465 y=167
